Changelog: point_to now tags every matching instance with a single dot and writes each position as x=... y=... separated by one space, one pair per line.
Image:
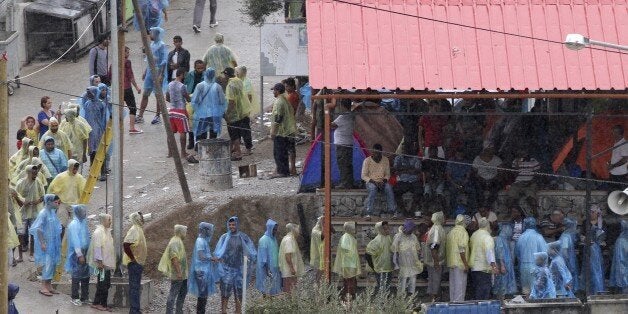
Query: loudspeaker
x=618 y=202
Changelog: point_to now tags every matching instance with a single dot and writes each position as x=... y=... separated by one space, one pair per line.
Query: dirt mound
x=252 y=212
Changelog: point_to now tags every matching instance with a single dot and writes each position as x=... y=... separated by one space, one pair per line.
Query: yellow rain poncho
x=241 y=72
x=219 y=56
x=406 y=247
x=482 y=246
x=77 y=131
x=62 y=141
x=135 y=236
x=101 y=246
x=242 y=106
x=289 y=245
x=32 y=151
x=77 y=108
x=175 y=249
x=68 y=185
x=436 y=236
x=15 y=213
x=32 y=191
x=12 y=240
x=347 y=263
x=20 y=155
x=380 y=250
x=315 y=242
x=457 y=242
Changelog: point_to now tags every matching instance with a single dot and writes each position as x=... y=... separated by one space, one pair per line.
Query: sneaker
x=156 y=120
x=212 y=25
x=77 y=302
x=135 y=131
x=139 y=119
x=196 y=28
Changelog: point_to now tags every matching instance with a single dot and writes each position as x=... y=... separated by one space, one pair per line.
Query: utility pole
x=117 y=85
x=161 y=103
x=327 y=188
x=4 y=184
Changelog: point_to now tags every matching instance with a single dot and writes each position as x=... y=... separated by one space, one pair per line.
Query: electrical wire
x=88 y=28
x=297 y=138
x=469 y=26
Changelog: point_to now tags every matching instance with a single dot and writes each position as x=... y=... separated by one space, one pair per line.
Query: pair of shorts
x=129 y=99
x=179 y=120
x=231 y=282
x=236 y=129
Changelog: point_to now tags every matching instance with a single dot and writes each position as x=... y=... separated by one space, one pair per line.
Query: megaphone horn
x=618 y=202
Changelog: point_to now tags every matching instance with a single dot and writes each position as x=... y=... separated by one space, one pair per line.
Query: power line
x=469 y=26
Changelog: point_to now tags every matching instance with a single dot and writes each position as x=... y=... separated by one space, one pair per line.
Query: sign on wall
x=283 y=50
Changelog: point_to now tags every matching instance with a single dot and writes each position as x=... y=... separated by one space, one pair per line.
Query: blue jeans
x=383 y=282
x=370 y=199
x=178 y=291
x=135 y=287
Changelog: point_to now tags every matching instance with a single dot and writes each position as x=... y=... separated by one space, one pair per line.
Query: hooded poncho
x=380 y=250
x=231 y=266
x=267 y=262
x=101 y=247
x=436 y=238
x=202 y=277
x=160 y=54
x=219 y=56
x=504 y=283
x=20 y=155
x=208 y=102
x=543 y=285
x=316 y=240
x=595 y=262
x=47 y=224
x=457 y=243
x=68 y=186
x=77 y=132
x=242 y=105
x=95 y=114
x=175 y=249
x=77 y=235
x=289 y=245
x=529 y=243
x=135 y=236
x=152 y=13
x=619 y=267
x=560 y=273
x=482 y=247
x=569 y=240
x=347 y=263
x=62 y=141
x=30 y=191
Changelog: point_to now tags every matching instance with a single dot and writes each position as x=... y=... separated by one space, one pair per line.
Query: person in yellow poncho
x=62 y=141
x=379 y=256
x=20 y=155
x=436 y=238
x=347 y=263
x=44 y=174
x=134 y=258
x=77 y=108
x=33 y=151
x=406 y=249
x=482 y=260
x=253 y=107
x=68 y=185
x=32 y=192
x=290 y=259
x=78 y=133
x=316 y=239
x=237 y=115
x=174 y=265
x=457 y=257
x=12 y=241
x=101 y=258
x=15 y=219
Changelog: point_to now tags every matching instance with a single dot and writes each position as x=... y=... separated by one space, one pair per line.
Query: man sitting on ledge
x=375 y=173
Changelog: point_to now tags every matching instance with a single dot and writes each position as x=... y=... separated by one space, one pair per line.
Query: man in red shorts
x=177 y=95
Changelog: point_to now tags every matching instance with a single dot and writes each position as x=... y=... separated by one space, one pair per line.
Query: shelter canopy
x=358 y=44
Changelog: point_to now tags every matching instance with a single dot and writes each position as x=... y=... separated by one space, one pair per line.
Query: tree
x=258 y=10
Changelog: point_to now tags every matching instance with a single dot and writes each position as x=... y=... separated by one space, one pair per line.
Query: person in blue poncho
x=561 y=275
x=530 y=242
x=78 y=243
x=568 y=246
x=202 y=278
x=46 y=231
x=13 y=290
x=619 y=267
x=95 y=114
x=543 y=285
x=267 y=275
x=595 y=263
x=160 y=55
x=230 y=251
x=505 y=282
x=154 y=13
x=209 y=104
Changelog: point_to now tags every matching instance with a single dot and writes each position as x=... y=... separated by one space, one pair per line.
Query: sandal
x=46 y=293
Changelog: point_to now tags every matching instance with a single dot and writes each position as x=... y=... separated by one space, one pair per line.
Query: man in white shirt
x=618 y=165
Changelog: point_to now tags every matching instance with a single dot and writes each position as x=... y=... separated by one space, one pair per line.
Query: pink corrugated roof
x=352 y=46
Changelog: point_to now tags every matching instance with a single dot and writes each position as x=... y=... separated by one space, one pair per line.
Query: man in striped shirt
x=524 y=184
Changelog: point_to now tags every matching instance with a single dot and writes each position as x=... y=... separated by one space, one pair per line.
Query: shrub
x=258 y=10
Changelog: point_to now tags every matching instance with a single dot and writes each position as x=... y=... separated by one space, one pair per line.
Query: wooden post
x=4 y=185
x=587 y=206
x=327 y=215
x=161 y=103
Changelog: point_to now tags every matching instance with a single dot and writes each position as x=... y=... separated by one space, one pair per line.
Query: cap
x=279 y=87
x=229 y=72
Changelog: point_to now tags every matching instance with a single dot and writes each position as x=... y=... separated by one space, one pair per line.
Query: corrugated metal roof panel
x=367 y=43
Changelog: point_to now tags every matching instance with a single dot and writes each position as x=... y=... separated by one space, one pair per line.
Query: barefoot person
x=46 y=231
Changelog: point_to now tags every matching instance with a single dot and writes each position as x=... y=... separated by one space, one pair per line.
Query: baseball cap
x=279 y=87
x=230 y=72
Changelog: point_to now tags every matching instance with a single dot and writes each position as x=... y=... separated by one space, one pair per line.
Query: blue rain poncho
x=267 y=276
x=47 y=224
x=560 y=273
x=231 y=265
x=152 y=12
x=13 y=290
x=595 y=261
x=77 y=235
x=209 y=103
x=569 y=243
x=505 y=283
x=95 y=114
x=543 y=285
x=529 y=243
x=84 y=98
x=202 y=277
x=160 y=55
x=619 y=267
x=104 y=94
